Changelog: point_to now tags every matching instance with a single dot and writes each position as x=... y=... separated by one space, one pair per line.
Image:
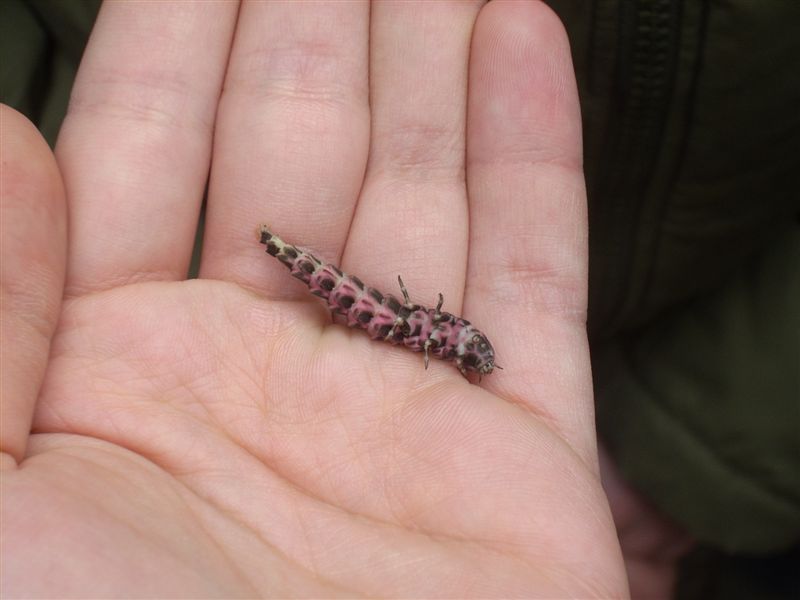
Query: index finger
x=135 y=146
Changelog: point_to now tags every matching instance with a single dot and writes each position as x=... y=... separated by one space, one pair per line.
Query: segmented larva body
x=384 y=317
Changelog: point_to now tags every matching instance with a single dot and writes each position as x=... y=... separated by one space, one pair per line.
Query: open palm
x=220 y=437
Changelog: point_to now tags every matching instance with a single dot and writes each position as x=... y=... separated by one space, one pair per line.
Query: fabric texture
x=692 y=146
x=701 y=408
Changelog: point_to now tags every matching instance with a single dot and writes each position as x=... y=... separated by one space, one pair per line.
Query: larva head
x=479 y=354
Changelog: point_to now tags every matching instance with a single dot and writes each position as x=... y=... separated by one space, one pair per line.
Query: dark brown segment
x=346 y=301
x=326 y=284
x=290 y=251
x=265 y=237
x=392 y=304
x=376 y=295
x=307 y=267
x=365 y=317
x=383 y=330
x=445 y=317
x=417 y=330
x=403 y=312
x=404 y=328
x=272 y=248
x=337 y=270
x=357 y=281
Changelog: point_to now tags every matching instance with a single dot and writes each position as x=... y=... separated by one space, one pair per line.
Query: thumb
x=33 y=241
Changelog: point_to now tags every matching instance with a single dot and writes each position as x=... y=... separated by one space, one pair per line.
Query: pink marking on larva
x=384 y=317
x=323 y=281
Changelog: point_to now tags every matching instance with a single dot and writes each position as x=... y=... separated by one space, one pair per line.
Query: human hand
x=219 y=437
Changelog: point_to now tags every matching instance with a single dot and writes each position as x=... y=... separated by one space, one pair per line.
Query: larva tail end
x=274 y=244
x=264 y=234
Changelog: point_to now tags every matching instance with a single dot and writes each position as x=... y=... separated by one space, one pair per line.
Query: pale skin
x=220 y=437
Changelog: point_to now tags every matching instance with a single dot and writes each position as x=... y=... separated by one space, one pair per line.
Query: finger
x=291 y=139
x=412 y=214
x=34 y=244
x=528 y=256
x=135 y=146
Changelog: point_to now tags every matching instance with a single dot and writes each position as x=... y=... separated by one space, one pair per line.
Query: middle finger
x=291 y=139
x=412 y=215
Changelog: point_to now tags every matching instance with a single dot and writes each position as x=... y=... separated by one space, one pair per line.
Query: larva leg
x=425 y=348
x=439 y=304
x=460 y=365
x=404 y=290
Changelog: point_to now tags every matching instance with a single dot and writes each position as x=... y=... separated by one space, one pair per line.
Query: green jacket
x=692 y=137
x=692 y=152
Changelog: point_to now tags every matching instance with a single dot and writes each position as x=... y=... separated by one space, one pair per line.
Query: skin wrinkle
x=152 y=460
x=229 y=560
x=571 y=166
x=547 y=420
x=25 y=301
x=158 y=390
x=403 y=514
x=27 y=296
x=316 y=574
x=294 y=85
x=211 y=417
x=435 y=536
x=168 y=74
x=307 y=494
x=158 y=98
x=141 y=534
x=407 y=520
x=412 y=146
x=415 y=271
x=400 y=511
x=355 y=454
x=236 y=366
x=139 y=115
x=155 y=462
x=327 y=104
x=136 y=367
x=541 y=300
x=73 y=291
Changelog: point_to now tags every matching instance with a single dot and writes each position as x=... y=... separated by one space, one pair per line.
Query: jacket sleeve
x=702 y=411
